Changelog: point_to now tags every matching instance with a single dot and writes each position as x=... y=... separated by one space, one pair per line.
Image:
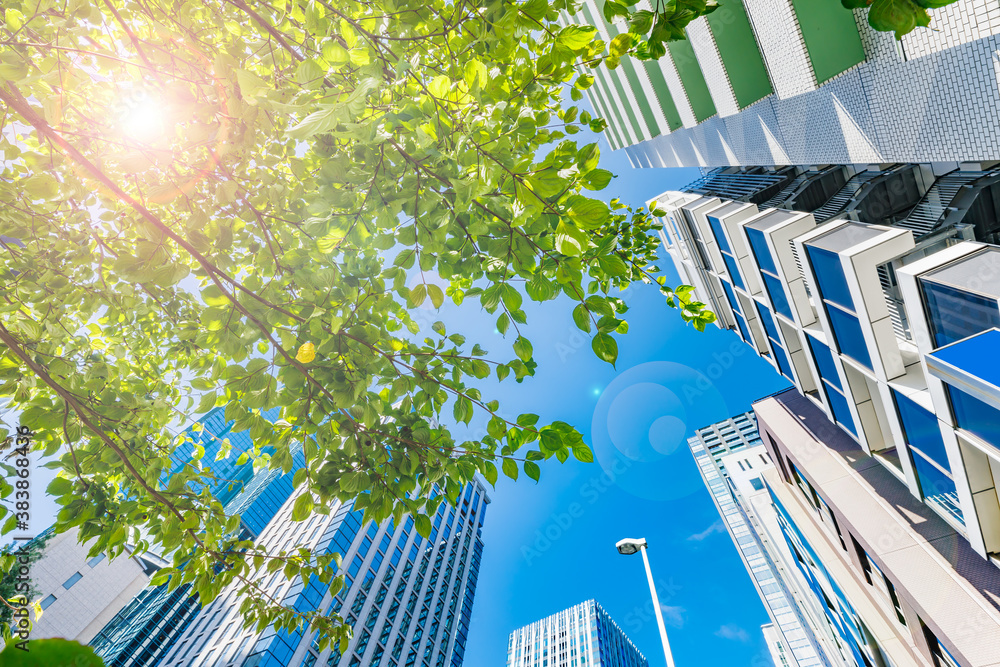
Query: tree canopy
x=236 y=204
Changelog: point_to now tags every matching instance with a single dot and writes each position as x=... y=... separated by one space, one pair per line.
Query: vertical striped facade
x=582 y=636
x=779 y=82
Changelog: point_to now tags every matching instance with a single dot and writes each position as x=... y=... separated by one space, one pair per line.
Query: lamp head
x=628 y=547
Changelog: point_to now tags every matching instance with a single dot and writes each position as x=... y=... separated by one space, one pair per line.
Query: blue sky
x=551 y=545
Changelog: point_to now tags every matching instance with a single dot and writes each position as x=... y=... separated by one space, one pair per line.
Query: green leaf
x=589 y=214
x=898 y=16
x=423 y=525
x=59 y=486
x=418 y=294
x=620 y=45
x=576 y=37
x=476 y=75
x=522 y=348
x=588 y=157
x=509 y=467
x=612 y=265
x=641 y=22
x=302 y=507
x=532 y=470
x=490 y=472
x=597 y=179
x=581 y=317
x=570 y=240
x=436 y=295
x=605 y=348
x=583 y=453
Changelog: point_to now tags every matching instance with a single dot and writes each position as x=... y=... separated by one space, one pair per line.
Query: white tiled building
x=778 y=82
x=78 y=594
x=887 y=320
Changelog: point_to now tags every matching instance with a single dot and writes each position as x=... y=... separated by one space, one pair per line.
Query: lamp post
x=627 y=548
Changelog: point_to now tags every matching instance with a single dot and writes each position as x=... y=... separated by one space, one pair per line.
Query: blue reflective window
x=936 y=486
x=921 y=430
x=954 y=314
x=975 y=416
x=744 y=330
x=768 y=320
x=782 y=358
x=758 y=243
x=824 y=362
x=720 y=235
x=734 y=271
x=850 y=340
x=738 y=310
x=830 y=275
x=731 y=295
x=72 y=580
x=777 y=294
x=841 y=410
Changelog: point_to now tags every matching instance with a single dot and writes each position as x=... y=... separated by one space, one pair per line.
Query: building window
x=832 y=385
x=47 y=601
x=838 y=304
x=942 y=658
x=95 y=560
x=733 y=269
x=72 y=580
x=777 y=293
x=772 y=282
x=847 y=332
x=920 y=429
x=877 y=579
x=975 y=416
x=780 y=356
x=737 y=311
x=956 y=314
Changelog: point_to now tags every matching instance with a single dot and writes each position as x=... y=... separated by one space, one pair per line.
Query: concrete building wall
x=80 y=611
x=936 y=577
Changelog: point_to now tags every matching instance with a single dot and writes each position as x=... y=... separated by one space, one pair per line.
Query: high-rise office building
x=731 y=458
x=778 y=82
x=885 y=318
x=407 y=599
x=148 y=626
x=582 y=636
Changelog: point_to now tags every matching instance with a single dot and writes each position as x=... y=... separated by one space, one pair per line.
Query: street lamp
x=627 y=548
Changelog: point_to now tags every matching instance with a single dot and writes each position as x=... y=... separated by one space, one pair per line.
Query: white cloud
x=734 y=632
x=673 y=616
x=717 y=527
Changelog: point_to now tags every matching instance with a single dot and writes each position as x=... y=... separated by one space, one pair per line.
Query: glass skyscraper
x=407 y=599
x=143 y=631
x=730 y=458
x=581 y=636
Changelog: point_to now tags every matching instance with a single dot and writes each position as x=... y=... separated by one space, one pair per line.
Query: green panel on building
x=633 y=120
x=645 y=105
x=602 y=76
x=740 y=53
x=831 y=37
x=689 y=70
x=663 y=94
